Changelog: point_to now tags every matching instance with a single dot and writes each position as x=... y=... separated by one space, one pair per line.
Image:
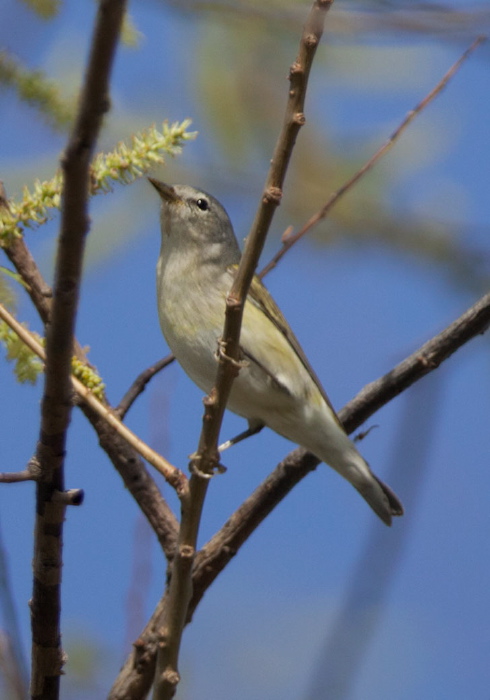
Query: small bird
x=276 y=387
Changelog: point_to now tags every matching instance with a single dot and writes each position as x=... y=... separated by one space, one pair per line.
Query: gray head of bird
x=194 y=220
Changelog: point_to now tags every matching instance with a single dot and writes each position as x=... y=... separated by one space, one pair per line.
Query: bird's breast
x=192 y=317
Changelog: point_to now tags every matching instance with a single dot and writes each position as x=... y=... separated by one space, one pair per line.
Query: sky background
x=408 y=609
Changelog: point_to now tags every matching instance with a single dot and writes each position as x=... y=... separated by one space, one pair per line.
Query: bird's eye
x=203 y=204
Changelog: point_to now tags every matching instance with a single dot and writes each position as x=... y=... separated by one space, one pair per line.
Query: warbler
x=276 y=386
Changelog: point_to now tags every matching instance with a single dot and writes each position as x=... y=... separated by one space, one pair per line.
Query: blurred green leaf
x=37 y=90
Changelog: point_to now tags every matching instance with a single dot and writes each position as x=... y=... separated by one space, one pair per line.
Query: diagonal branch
x=299 y=463
x=126 y=461
x=475 y=321
x=39 y=291
x=138 y=481
x=47 y=655
x=291 y=239
x=173 y=475
x=136 y=674
x=139 y=385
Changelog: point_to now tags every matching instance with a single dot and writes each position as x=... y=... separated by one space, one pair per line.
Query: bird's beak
x=166 y=192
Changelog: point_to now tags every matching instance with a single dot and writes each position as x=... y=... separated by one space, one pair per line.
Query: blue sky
x=357 y=307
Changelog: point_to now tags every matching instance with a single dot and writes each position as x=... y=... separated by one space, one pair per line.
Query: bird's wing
x=259 y=296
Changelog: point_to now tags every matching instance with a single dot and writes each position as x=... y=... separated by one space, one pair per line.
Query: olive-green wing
x=260 y=297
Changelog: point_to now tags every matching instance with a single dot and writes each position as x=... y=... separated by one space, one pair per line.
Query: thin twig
x=33 y=470
x=136 y=673
x=172 y=475
x=293 y=120
x=136 y=477
x=16 y=477
x=47 y=654
x=139 y=385
x=289 y=240
x=39 y=291
x=206 y=459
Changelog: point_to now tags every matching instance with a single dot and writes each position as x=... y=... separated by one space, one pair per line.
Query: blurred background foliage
x=225 y=65
x=229 y=63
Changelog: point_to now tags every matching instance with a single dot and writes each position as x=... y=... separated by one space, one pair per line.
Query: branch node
x=311 y=40
x=364 y=433
x=51 y=660
x=377 y=155
x=221 y=354
x=299 y=118
x=272 y=195
x=34 y=467
x=72 y=497
x=170 y=677
x=213 y=466
x=232 y=303
x=428 y=361
x=209 y=400
x=187 y=552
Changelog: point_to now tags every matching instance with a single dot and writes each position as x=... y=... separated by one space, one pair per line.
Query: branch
x=206 y=458
x=290 y=240
x=173 y=476
x=123 y=164
x=475 y=321
x=131 y=468
x=39 y=291
x=135 y=678
x=16 y=477
x=138 y=481
x=47 y=654
x=139 y=385
x=217 y=553
x=271 y=197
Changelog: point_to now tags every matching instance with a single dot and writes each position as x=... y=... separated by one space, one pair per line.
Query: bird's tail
x=328 y=441
x=380 y=497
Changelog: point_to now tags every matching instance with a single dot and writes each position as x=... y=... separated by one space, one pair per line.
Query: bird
x=276 y=385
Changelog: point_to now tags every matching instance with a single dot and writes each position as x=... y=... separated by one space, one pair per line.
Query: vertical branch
x=293 y=120
x=206 y=458
x=167 y=675
x=47 y=656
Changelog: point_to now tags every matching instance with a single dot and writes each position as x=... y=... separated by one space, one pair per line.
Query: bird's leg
x=253 y=429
